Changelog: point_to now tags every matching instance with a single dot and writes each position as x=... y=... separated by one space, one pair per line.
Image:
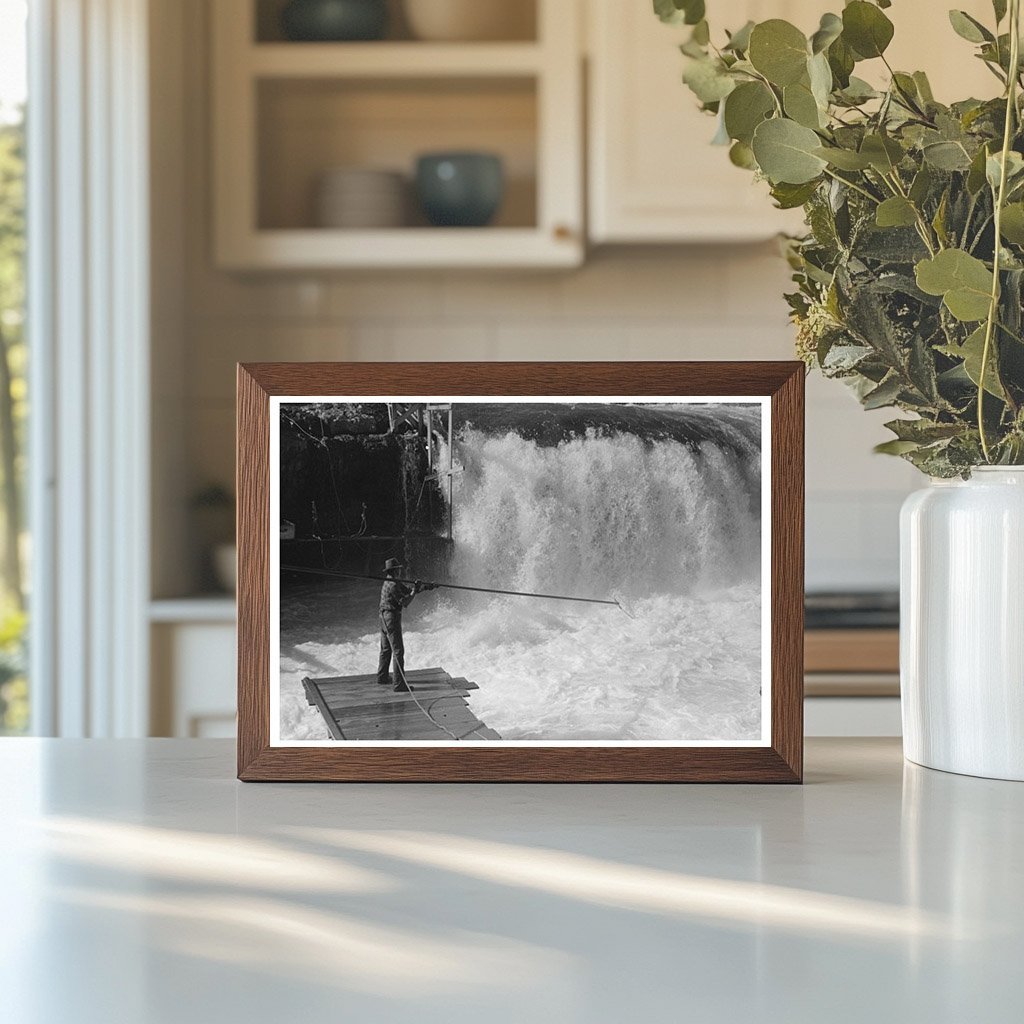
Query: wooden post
x=451 y=476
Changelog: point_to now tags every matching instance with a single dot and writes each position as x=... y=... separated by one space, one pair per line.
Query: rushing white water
x=671 y=528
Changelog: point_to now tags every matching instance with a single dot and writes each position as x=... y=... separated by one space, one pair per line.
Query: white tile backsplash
x=717 y=302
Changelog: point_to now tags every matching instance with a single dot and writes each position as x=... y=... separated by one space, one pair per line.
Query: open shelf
x=308 y=127
x=286 y=114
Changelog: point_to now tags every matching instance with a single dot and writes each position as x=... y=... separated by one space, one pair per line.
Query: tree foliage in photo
x=910 y=277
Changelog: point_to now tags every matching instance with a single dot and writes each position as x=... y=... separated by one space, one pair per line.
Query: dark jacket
x=394 y=596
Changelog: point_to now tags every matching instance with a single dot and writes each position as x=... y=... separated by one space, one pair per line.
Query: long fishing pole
x=450 y=586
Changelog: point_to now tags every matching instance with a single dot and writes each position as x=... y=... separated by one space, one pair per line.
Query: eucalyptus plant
x=910 y=278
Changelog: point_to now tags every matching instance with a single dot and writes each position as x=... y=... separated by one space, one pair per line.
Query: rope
x=302 y=430
x=330 y=465
x=405 y=683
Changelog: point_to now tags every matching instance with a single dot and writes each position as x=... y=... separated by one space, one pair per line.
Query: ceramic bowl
x=334 y=20
x=460 y=189
x=359 y=197
x=469 y=20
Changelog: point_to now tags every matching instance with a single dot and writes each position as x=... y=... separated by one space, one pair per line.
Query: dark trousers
x=391 y=648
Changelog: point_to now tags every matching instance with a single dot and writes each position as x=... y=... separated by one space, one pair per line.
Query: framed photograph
x=551 y=572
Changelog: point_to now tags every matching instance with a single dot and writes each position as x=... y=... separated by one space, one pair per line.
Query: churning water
x=668 y=522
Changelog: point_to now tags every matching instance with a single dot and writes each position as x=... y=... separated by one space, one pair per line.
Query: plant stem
x=923 y=228
x=1012 y=334
x=849 y=184
x=993 y=309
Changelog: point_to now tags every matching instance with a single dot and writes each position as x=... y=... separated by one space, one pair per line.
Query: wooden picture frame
x=780 y=384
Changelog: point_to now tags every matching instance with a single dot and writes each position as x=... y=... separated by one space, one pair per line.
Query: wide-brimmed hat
x=393 y=563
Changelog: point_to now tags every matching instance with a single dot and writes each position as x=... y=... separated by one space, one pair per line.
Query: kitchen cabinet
x=287 y=113
x=192 y=646
x=653 y=175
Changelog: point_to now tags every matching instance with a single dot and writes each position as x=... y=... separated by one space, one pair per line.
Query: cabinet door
x=653 y=174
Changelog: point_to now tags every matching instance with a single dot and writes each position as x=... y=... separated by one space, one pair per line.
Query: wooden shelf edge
x=211 y=608
x=406 y=248
x=392 y=60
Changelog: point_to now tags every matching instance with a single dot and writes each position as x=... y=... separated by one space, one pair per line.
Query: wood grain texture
x=782 y=762
x=252 y=485
x=852 y=650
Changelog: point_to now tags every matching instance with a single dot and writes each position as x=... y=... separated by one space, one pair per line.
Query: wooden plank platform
x=357 y=708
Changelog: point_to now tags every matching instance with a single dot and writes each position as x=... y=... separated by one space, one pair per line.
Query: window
x=14 y=549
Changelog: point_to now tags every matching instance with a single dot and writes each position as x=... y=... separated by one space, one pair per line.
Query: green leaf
x=741 y=155
x=976 y=173
x=896 y=212
x=858 y=91
x=829 y=30
x=1014 y=169
x=946 y=156
x=778 y=50
x=866 y=29
x=885 y=394
x=691 y=48
x=939 y=220
x=1012 y=225
x=883 y=153
x=999 y=7
x=895 y=447
x=789 y=197
x=969 y=28
x=694 y=11
x=800 y=105
x=675 y=12
x=841 y=60
x=921 y=185
x=963 y=281
x=971 y=352
x=785 y=152
x=844 y=159
x=924 y=87
x=708 y=80
x=923 y=431
x=906 y=89
x=745 y=108
x=739 y=41
x=820 y=76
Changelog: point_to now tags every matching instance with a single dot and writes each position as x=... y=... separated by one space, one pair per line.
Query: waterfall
x=599 y=514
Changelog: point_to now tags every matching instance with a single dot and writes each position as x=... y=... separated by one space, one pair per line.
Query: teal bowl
x=334 y=21
x=460 y=190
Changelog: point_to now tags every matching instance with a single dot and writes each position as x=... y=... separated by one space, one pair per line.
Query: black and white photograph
x=556 y=572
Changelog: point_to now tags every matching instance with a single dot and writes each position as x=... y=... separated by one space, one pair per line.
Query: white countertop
x=143 y=885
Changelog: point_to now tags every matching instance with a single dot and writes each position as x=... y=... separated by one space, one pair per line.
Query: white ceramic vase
x=962 y=624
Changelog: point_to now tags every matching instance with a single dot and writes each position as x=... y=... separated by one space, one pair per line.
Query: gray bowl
x=460 y=189
x=334 y=20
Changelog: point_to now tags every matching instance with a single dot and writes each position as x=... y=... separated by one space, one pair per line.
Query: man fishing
x=395 y=595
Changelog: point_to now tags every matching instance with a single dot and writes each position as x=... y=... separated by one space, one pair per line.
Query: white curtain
x=88 y=318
